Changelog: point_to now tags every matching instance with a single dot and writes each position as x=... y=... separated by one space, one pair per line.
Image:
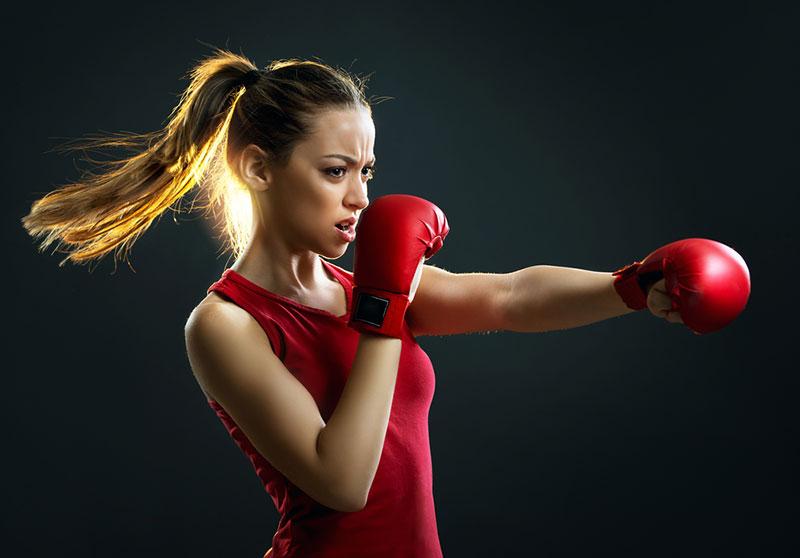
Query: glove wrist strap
x=378 y=312
x=628 y=287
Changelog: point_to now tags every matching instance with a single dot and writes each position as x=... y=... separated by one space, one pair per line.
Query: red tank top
x=318 y=349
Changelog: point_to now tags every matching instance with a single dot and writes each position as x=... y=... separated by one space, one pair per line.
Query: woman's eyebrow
x=346 y=158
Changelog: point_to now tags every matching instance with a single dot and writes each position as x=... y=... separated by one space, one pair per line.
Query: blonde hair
x=215 y=118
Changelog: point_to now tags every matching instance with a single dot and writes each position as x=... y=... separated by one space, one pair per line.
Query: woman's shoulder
x=216 y=316
x=215 y=303
x=213 y=298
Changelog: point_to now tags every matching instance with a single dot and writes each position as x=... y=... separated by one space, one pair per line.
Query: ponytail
x=108 y=211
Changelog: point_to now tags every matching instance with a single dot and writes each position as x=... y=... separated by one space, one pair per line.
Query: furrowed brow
x=346 y=158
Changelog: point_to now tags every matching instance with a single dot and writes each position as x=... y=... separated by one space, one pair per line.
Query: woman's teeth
x=344 y=227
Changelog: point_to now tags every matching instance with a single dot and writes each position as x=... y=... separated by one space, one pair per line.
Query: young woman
x=315 y=371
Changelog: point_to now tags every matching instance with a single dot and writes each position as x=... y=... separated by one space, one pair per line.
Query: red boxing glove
x=394 y=233
x=708 y=282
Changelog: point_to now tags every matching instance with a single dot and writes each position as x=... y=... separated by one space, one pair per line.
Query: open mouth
x=345 y=228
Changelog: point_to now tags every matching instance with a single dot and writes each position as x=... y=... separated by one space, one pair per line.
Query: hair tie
x=249 y=78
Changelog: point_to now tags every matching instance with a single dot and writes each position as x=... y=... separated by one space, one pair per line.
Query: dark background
x=582 y=135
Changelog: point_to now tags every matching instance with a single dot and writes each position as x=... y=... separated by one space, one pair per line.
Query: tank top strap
x=244 y=299
x=345 y=278
x=341 y=274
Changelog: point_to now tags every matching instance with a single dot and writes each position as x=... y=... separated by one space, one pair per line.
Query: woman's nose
x=358 y=195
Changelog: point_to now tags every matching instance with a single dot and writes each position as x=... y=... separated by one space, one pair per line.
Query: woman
x=315 y=371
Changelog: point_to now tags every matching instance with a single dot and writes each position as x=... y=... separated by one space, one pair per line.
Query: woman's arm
x=351 y=443
x=545 y=298
x=334 y=463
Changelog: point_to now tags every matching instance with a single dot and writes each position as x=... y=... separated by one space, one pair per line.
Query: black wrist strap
x=370 y=309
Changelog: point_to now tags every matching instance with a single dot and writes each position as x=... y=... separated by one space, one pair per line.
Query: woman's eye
x=334 y=172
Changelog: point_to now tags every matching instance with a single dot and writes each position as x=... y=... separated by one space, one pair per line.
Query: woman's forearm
x=547 y=298
x=351 y=443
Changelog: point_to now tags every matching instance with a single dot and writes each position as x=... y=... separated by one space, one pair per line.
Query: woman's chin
x=335 y=253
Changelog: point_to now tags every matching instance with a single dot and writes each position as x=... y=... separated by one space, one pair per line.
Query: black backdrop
x=580 y=136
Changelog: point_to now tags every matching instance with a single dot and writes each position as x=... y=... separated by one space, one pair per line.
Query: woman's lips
x=349 y=235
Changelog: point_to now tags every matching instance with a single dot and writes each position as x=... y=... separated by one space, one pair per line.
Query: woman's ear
x=252 y=168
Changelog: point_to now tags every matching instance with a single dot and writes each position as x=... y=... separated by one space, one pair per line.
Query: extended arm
x=546 y=298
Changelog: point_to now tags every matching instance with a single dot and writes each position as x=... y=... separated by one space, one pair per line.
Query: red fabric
x=318 y=348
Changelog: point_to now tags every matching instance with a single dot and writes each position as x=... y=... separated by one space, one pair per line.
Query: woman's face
x=323 y=184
